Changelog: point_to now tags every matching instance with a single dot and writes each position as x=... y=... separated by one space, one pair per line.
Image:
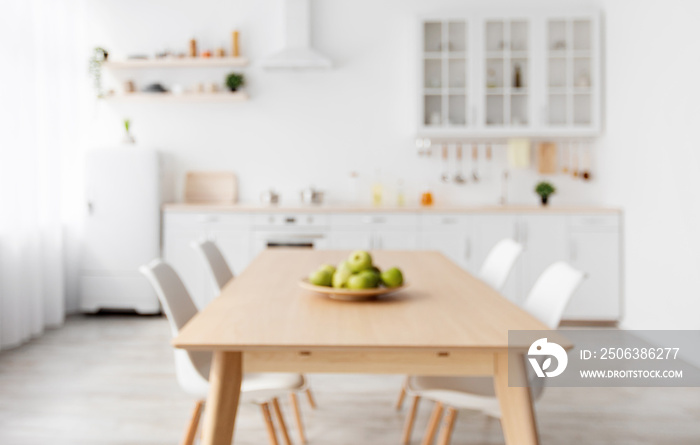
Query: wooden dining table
x=445 y=322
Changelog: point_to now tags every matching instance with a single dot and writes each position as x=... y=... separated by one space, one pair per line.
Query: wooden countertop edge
x=244 y=208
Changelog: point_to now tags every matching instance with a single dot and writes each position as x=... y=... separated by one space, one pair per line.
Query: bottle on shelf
x=517 y=77
x=400 y=194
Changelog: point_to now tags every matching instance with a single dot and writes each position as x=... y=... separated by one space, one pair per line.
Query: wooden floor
x=110 y=380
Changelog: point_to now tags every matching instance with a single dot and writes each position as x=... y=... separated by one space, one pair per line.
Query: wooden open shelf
x=177 y=62
x=223 y=97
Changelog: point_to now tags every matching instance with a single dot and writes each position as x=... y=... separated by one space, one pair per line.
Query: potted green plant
x=544 y=189
x=234 y=81
x=99 y=56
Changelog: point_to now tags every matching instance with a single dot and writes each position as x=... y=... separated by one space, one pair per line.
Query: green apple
x=328 y=267
x=392 y=277
x=340 y=277
x=321 y=277
x=376 y=270
x=363 y=280
x=359 y=260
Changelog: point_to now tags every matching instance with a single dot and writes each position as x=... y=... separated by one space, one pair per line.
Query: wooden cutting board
x=211 y=187
x=547 y=158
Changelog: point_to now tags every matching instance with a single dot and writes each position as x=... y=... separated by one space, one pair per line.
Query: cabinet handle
x=379 y=242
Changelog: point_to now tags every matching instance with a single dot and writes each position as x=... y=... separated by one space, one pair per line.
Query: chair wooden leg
x=280 y=421
x=410 y=419
x=402 y=396
x=310 y=396
x=433 y=424
x=447 y=427
x=268 y=423
x=191 y=430
x=297 y=416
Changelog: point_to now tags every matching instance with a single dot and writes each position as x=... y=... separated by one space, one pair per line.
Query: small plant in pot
x=234 y=81
x=545 y=189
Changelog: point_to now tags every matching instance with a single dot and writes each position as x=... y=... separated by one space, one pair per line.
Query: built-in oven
x=297 y=230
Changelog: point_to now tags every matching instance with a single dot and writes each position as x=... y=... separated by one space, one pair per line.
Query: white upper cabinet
x=572 y=76
x=445 y=78
x=490 y=75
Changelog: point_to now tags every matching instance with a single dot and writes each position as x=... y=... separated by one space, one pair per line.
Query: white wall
x=299 y=128
x=315 y=127
x=649 y=157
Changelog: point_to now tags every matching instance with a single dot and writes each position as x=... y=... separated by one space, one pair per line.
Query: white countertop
x=349 y=208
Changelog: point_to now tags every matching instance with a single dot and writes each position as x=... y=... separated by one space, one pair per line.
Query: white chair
x=546 y=301
x=192 y=368
x=222 y=274
x=499 y=263
x=215 y=260
x=494 y=271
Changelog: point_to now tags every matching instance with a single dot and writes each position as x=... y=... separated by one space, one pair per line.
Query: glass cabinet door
x=445 y=74
x=570 y=80
x=507 y=73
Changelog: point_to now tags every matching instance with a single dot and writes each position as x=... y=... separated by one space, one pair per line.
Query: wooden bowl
x=349 y=294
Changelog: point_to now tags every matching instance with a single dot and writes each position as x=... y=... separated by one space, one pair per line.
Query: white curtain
x=42 y=84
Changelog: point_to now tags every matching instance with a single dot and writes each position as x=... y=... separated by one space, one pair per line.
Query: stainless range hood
x=297 y=53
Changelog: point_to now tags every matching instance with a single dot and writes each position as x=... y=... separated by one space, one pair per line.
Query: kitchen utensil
x=419 y=146
x=427 y=143
x=565 y=158
x=574 y=161
x=546 y=158
x=349 y=294
x=459 y=177
x=475 y=158
x=489 y=152
x=270 y=197
x=211 y=187
x=586 y=164
x=311 y=195
x=446 y=174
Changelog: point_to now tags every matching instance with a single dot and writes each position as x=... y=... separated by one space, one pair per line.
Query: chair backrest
x=499 y=262
x=552 y=292
x=215 y=260
x=179 y=309
x=172 y=293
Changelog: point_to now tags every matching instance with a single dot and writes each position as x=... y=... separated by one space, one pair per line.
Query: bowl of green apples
x=357 y=278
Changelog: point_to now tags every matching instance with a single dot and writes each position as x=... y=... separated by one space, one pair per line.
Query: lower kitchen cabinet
x=597 y=253
x=351 y=240
x=453 y=235
x=590 y=242
x=545 y=240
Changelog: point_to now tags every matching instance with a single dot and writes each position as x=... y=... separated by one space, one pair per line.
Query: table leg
x=224 y=388
x=517 y=413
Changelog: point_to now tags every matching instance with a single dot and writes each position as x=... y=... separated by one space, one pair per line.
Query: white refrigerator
x=122 y=229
